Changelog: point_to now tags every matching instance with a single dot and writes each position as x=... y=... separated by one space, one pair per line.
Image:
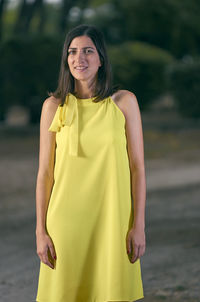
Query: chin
x=80 y=78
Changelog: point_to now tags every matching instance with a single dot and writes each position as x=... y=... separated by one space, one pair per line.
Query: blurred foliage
x=140 y=67
x=183 y=80
x=29 y=68
x=144 y=37
x=170 y=24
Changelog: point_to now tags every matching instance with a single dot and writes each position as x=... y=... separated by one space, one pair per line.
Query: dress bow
x=67 y=115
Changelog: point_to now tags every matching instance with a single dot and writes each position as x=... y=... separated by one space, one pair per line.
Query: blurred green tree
x=26 y=13
x=183 y=79
x=143 y=34
x=139 y=67
x=170 y=24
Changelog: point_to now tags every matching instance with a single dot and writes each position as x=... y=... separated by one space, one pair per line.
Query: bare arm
x=136 y=159
x=134 y=133
x=45 y=177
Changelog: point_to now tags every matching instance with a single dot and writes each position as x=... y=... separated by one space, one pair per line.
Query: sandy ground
x=170 y=266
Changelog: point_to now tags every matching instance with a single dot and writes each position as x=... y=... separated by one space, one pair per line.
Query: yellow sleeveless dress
x=90 y=209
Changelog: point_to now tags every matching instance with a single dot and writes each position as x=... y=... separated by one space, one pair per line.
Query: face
x=83 y=58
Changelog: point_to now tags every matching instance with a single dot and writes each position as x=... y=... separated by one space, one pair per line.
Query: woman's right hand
x=45 y=249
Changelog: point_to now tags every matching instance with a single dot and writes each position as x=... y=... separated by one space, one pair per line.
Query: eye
x=88 y=50
x=71 y=52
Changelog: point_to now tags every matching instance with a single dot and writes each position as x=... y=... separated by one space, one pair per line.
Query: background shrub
x=29 y=68
x=140 y=67
x=183 y=80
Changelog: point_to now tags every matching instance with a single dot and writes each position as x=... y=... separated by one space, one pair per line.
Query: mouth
x=80 y=68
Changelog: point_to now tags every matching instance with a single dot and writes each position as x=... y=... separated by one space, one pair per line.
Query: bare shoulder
x=124 y=96
x=127 y=101
x=51 y=103
x=49 y=108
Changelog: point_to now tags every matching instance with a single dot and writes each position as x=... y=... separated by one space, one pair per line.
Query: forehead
x=82 y=41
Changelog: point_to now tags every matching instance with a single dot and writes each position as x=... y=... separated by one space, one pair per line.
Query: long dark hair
x=104 y=87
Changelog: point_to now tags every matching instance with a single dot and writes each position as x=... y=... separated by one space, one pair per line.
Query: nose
x=80 y=57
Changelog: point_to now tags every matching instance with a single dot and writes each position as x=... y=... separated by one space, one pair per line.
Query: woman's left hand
x=136 y=243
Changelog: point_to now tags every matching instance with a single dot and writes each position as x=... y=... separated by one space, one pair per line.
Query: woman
x=90 y=192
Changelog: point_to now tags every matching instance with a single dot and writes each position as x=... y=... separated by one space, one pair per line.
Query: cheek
x=70 y=64
x=96 y=62
x=68 y=61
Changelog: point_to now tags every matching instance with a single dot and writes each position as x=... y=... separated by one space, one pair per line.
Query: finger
x=141 y=250
x=135 y=253
x=128 y=246
x=47 y=262
x=40 y=254
x=50 y=257
x=52 y=251
x=134 y=259
x=45 y=259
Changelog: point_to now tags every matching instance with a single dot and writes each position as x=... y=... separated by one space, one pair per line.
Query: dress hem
x=122 y=300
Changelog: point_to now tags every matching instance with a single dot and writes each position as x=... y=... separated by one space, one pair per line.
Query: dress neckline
x=82 y=100
x=85 y=100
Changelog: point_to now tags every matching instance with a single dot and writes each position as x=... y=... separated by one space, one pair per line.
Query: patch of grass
x=180 y=288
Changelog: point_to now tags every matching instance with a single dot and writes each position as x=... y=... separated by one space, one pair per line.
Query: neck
x=84 y=89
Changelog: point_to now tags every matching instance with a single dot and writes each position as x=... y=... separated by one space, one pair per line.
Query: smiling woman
x=83 y=61
x=90 y=193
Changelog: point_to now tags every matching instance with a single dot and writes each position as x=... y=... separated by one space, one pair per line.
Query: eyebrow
x=83 y=47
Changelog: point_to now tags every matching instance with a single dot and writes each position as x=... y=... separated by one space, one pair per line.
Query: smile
x=81 y=68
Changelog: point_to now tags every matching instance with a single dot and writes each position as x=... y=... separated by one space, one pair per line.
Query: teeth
x=80 y=68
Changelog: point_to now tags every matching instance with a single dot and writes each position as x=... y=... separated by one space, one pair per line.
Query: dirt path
x=170 y=266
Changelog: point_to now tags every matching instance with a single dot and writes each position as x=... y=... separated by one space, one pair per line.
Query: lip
x=80 y=68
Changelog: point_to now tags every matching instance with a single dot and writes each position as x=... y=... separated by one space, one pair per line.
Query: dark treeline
x=153 y=45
